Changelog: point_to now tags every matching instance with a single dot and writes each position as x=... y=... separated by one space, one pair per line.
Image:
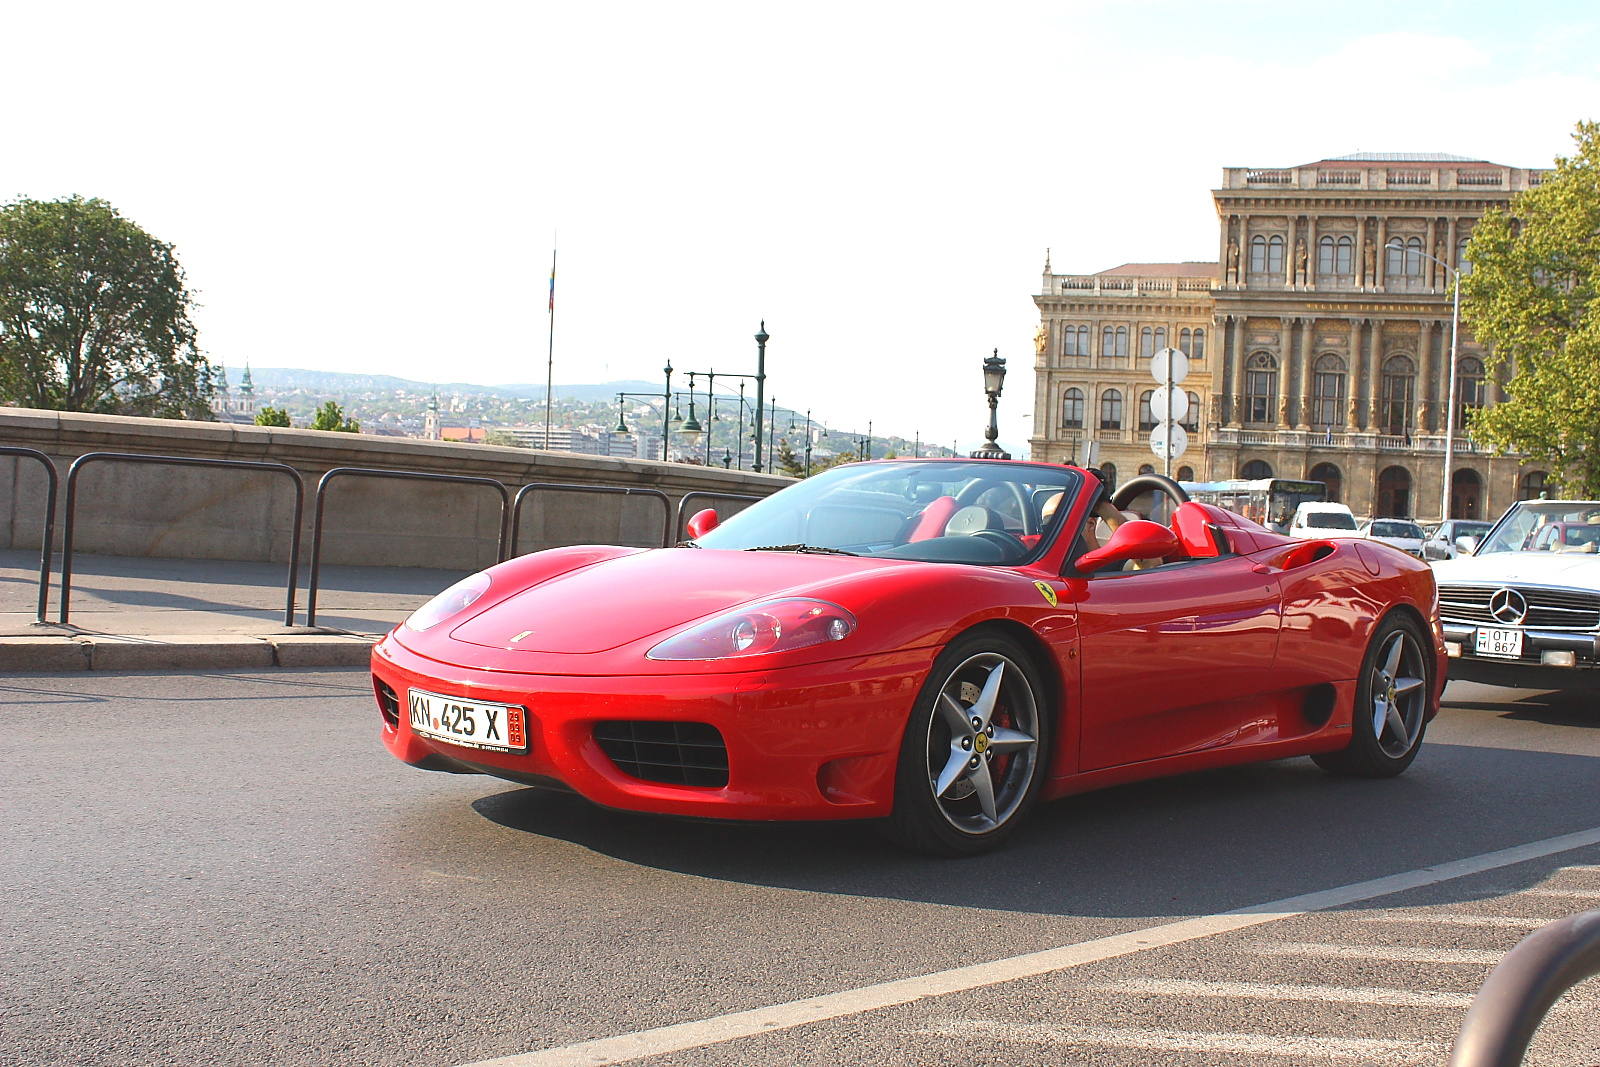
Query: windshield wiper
x=817 y=549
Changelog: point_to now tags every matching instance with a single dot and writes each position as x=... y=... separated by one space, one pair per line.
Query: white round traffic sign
x=1158 y=405
x=1160 y=436
x=1158 y=365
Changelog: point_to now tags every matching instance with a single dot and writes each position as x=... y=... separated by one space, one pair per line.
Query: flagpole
x=550 y=362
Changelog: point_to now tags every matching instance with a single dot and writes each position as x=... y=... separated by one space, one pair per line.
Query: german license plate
x=1500 y=643
x=469 y=723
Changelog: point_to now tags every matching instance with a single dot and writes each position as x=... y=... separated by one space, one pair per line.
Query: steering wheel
x=1130 y=490
x=970 y=493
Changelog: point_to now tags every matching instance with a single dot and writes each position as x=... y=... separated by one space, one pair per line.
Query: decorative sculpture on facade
x=1300 y=262
x=1233 y=260
x=1041 y=340
x=1369 y=263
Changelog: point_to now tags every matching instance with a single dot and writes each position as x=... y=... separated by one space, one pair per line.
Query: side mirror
x=702 y=522
x=1134 y=539
x=1466 y=544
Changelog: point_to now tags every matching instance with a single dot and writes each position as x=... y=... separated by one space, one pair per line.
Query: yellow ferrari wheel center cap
x=980 y=743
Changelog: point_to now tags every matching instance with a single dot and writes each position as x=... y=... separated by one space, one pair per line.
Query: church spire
x=1047 y=261
x=245 y=388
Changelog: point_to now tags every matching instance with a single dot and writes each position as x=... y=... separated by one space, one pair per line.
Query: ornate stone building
x=1327 y=337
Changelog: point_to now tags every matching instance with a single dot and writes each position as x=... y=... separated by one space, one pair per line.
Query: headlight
x=775 y=626
x=452 y=601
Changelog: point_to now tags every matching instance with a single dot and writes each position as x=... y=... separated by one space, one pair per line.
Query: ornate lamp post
x=761 y=381
x=994 y=379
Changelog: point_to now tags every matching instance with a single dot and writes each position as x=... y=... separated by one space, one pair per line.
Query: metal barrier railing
x=559 y=487
x=47 y=545
x=374 y=472
x=70 y=516
x=1522 y=988
x=684 y=514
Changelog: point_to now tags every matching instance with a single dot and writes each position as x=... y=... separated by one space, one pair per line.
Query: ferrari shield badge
x=1046 y=592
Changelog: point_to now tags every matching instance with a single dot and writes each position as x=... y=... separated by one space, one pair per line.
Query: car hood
x=617 y=601
x=1578 y=569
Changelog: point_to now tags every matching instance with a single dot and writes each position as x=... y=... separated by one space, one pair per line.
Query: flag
x=552 y=286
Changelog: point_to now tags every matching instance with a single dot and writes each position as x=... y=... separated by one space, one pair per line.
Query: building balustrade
x=1360 y=440
x=1068 y=284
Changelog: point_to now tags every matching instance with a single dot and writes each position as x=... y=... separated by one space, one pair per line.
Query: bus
x=1268 y=501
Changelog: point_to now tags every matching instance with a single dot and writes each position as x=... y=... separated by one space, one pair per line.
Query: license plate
x=1500 y=643
x=469 y=723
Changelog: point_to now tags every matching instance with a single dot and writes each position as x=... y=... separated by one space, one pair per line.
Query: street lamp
x=691 y=426
x=1450 y=405
x=761 y=380
x=994 y=379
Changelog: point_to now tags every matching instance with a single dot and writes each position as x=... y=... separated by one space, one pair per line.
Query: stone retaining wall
x=198 y=513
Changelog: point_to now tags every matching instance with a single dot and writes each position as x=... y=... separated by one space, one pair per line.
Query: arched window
x=1147 y=418
x=1255 y=470
x=1394 y=260
x=1108 y=341
x=1161 y=337
x=1072 y=410
x=1328 y=475
x=1199 y=344
x=1328 y=390
x=1147 y=342
x=1111 y=409
x=1261 y=388
x=1394 y=493
x=1258 y=254
x=1344 y=263
x=1326 y=256
x=1185 y=474
x=1110 y=471
x=1414 y=257
x=1191 y=418
x=1399 y=392
x=1466 y=489
x=1470 y=390
x=1463 y=264
x=1122 y=341
x=1083 y=340
x=1069 y=341
x=1186 y=341
x=1534 y=485
x=1147 y=468
x=1275 y=255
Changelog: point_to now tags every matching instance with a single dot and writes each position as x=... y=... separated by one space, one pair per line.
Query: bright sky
x=374 y=187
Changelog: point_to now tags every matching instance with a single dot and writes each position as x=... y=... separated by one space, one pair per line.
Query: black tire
x=1401 y=695
x=1014 y=751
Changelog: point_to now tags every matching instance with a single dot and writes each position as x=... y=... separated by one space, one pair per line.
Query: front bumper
x=812 y=742
x=1530 y=671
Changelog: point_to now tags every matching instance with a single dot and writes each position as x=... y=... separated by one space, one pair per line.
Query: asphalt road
x=229 y=869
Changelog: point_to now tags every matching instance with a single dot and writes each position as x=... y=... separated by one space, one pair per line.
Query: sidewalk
x=143 y=614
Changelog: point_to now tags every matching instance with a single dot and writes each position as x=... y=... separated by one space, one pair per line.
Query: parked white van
x=1320 y=518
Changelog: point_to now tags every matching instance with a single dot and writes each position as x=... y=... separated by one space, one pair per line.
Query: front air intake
x=673 y=753
x=388 y=704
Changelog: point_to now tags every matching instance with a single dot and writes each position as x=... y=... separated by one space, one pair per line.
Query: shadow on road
x=1151 y=848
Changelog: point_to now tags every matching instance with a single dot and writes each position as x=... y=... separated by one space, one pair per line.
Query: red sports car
x=937 y=644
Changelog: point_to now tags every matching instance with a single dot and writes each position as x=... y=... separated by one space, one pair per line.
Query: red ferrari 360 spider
x=937 y=644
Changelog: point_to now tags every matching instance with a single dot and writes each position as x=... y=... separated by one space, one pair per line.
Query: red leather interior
x=932 y=521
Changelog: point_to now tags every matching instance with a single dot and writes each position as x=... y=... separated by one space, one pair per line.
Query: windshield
x=1544 y=526
x=1330 y=520
x=1462 y=529
x=937 y=511
x=1397 y=529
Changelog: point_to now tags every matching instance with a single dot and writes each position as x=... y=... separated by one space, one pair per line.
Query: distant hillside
x=321 y=381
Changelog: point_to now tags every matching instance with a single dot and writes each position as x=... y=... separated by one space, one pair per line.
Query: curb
x=105 y=652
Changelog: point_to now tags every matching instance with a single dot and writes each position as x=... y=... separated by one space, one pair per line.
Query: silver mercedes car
x=1524 y=608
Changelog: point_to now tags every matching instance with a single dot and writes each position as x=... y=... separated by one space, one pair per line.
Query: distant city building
x=1320 y=339
x=228 y=405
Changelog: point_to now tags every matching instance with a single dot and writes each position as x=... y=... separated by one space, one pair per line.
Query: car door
x=1172 y=657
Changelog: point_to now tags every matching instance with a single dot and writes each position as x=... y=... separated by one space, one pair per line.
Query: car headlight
x=774 y=626
x=452 y=601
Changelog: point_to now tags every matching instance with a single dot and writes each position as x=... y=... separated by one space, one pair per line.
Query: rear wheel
x=973 y=758
x=1391 y=703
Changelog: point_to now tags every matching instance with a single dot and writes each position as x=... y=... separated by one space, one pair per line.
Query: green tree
x=1532 y=295
x=94 y=315
x=273 y=417
x=330 y=416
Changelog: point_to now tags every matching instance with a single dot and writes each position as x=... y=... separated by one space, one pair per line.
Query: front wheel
x=1391 y=703
x=975 y=748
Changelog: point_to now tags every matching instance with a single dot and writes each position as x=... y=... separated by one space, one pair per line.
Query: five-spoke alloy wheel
x=1391 y=703
x=974 y=751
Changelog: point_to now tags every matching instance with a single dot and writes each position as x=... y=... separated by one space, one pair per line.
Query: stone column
x=1222 y=248
x=1375 y=376
x=1307 y=327
x=1288 y=253
x=1362 y=281
x=1450 y=252
x=1381 y=260
x=1235 y=389
x=1353 y=380
x=1286 y=383
x=1425 y=375
x=1434 y=270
